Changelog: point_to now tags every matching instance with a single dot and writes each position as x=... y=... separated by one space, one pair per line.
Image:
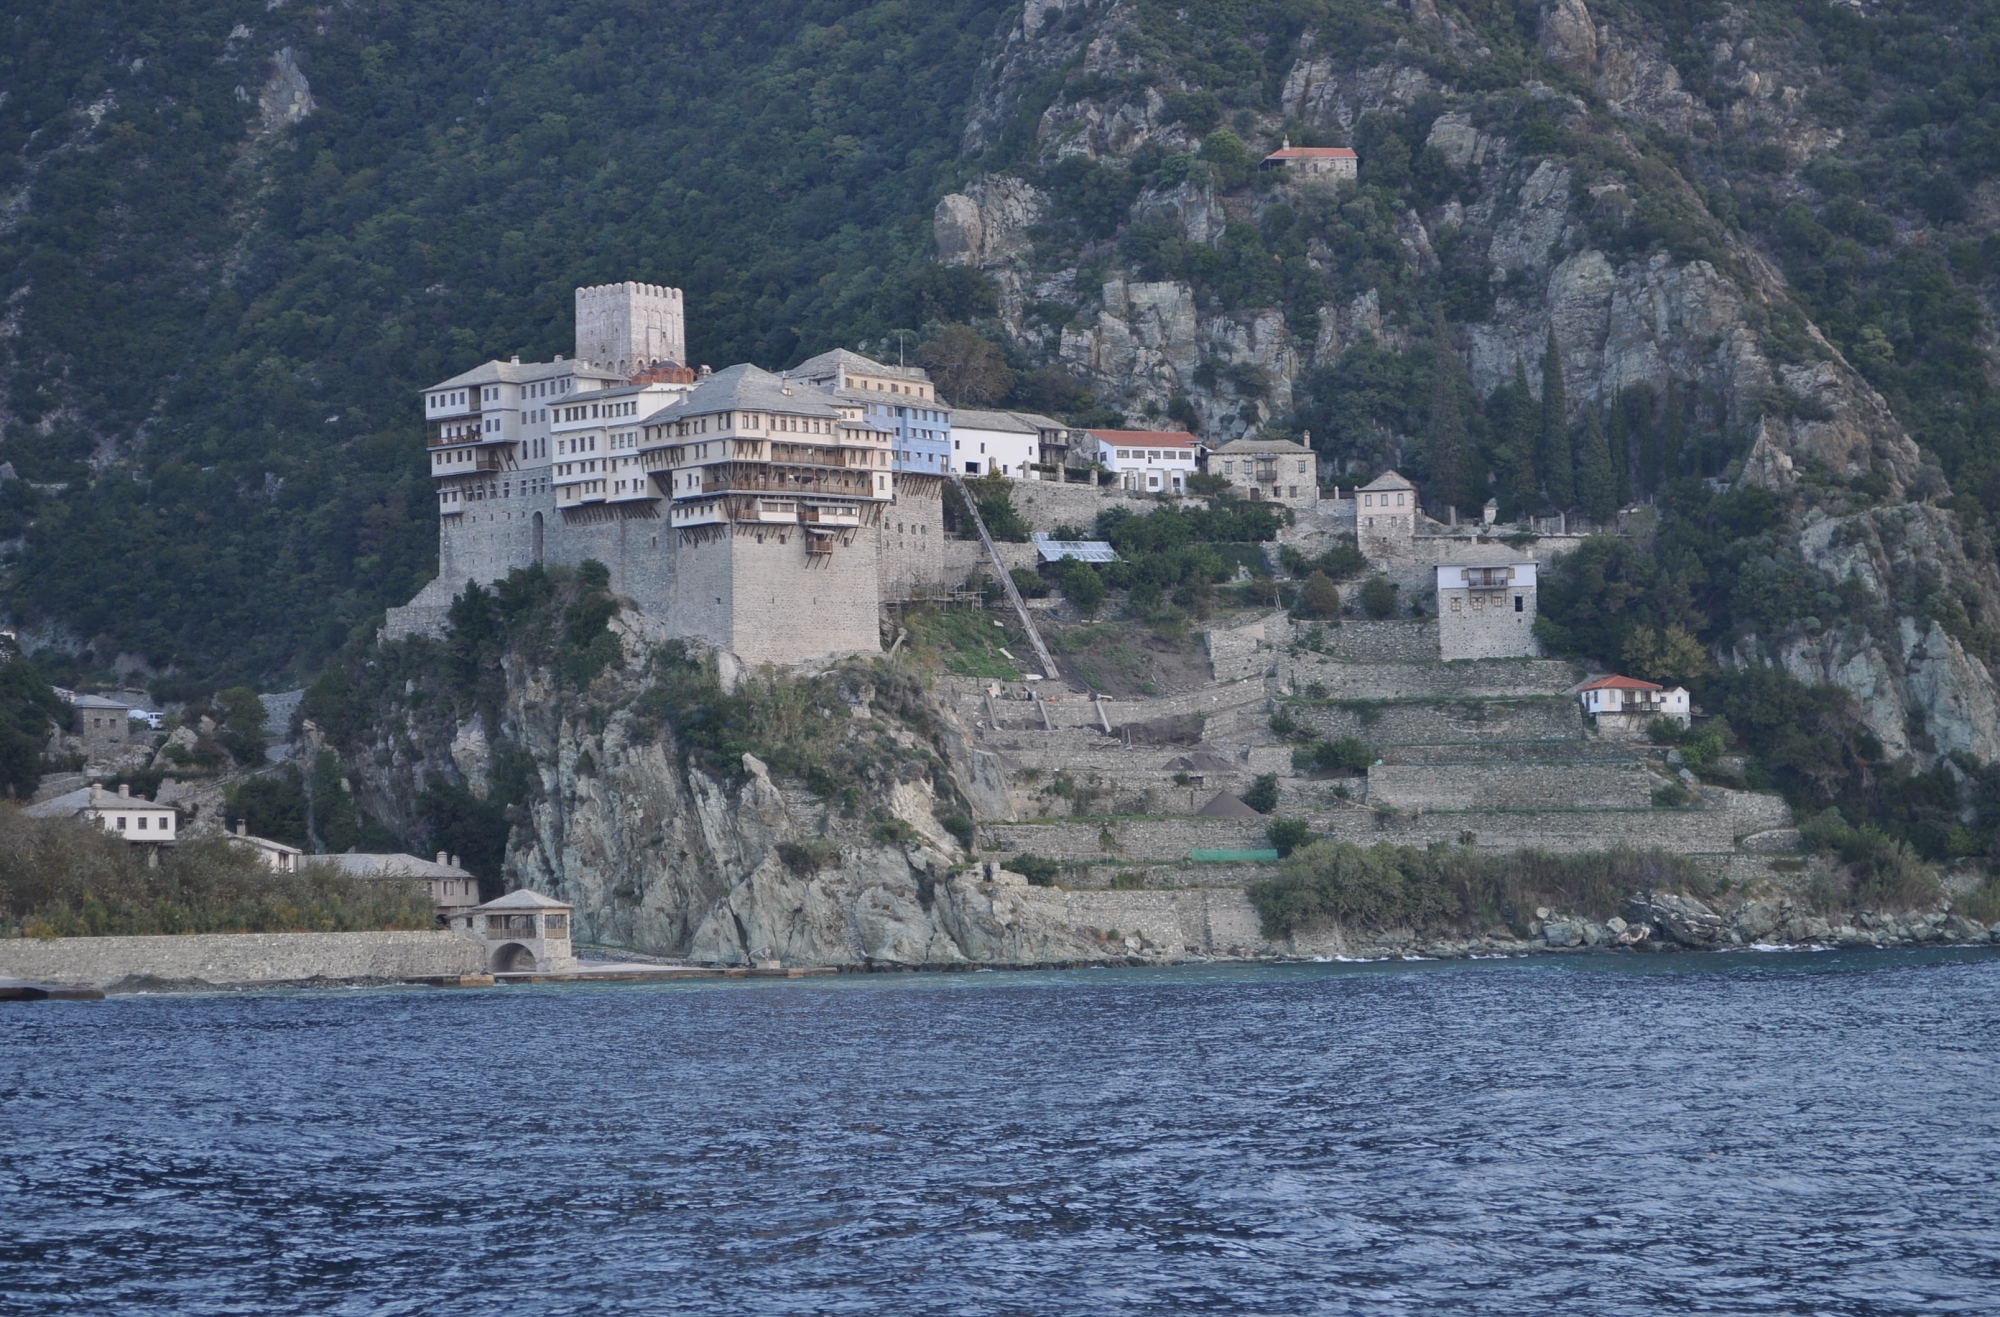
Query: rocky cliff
x=1546 y=181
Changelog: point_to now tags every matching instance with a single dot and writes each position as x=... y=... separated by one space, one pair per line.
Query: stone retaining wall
x=1554 y=720
x=1512 y=786
x=1201 y=920
x=1046 y=505
x=1468 y=678
x=1168 y=840
x=1367 y=641
x=1247 y=650
x=225 y=959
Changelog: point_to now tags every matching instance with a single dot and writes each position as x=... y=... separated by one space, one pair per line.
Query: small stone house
x=1386 y=509
x=1269 y=470
x=1628 y=704
x=1314 y=161
x=103 y=721
x=522 y=931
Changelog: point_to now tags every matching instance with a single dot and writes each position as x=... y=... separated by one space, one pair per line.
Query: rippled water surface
x=1747 y=1133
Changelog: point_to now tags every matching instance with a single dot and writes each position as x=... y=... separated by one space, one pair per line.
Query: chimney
x=455 y=864
x=441 y=858
x=517 y=358
x=706 y=372
x=243 y=827
x=125 y=789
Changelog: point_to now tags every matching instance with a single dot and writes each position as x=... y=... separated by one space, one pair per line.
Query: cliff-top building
x=742 y=509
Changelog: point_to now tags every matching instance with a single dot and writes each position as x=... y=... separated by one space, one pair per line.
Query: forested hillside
x=238 y=237
x=1595 y=253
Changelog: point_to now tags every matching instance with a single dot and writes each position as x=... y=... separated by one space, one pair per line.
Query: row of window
x=1368 y=500
x=1153 y=455
x=1269 y=467
x=166 y=825
x=1479 y=603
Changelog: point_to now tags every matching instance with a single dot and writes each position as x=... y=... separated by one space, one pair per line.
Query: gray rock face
x=1684 y=919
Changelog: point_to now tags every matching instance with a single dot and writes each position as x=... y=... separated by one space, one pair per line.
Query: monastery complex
x=772 y=515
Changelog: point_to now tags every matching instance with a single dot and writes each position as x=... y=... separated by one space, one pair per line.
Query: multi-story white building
x=594 y=443
x=1150 y=461
x=742 y=509
x=988 y=443
x=900 y=399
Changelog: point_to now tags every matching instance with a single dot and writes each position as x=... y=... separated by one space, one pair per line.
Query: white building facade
x=988 y=443
x=1147 y=461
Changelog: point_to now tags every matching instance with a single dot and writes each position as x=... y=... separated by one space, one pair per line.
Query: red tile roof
x=1313 y=153
x=1622 y=684
x=1147 y=438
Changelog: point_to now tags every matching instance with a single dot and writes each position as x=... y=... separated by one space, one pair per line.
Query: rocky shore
x=1664 y=922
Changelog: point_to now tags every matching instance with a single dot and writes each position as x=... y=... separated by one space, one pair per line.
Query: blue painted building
x=901 y=399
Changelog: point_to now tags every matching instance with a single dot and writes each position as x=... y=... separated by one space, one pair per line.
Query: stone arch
x=511 y=958
x=538 y=537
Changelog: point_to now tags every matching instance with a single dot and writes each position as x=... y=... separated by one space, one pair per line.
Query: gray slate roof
x=747 y=388
x=71 y=803
x=823 y=367
x=524 y=900
x=1238 y=447
x=525 y=372
x=395 y=865
x=966 y=418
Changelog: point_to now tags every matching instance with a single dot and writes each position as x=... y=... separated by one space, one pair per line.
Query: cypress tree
x=1621 y=447
x=1553 y=456
x=1596 y=485
x=1449 y=459
x=1672 y=448
x=1523 y=427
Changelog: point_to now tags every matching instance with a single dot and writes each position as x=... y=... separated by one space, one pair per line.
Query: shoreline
x=597 y=974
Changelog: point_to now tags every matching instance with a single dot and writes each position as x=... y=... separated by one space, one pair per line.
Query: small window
x=1518 y=606
x=121 y=823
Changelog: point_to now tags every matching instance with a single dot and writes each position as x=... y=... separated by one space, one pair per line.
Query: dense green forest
x=217 y=316
x=243 y=315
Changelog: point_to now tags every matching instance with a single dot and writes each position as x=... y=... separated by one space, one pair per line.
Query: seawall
x=228 y=959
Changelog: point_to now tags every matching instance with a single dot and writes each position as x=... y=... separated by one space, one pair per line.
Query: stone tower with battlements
x=627 y=327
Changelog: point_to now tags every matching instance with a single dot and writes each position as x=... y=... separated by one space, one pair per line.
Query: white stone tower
x=630 y=326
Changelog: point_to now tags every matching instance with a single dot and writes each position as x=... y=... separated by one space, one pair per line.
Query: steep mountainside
x=1752 y=242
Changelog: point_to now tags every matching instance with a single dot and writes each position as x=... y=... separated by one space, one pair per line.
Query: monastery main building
x=765 y=515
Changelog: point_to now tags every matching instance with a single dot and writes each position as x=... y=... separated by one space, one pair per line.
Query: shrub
x=959 y=826
x=1263 y=793
x=68 y=878
x=1378 y=597
x=1038 y=871
x=1030 y=583
x=1445 y=887
x=1665 y=731
x=1287 y=835
x=1319 y=597
x=1081 y=585
x=1348 y=754
x=808 y=857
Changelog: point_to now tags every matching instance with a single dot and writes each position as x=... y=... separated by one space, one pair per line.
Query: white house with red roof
x=1314 y=161
x=1148 y=461
x=1629 y=700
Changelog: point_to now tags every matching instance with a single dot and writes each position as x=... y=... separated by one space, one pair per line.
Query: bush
x=1030 y=583
x=1348 y=754
x=1263 y=793
x=1446 y=887
x=1287 y=835
x=1038 y=871
x=1081 y=585
x=1320 y=597
x=959 y=826
x=1378 y=597
x=1665 y=731
x=808 y=857
x=1880 y=870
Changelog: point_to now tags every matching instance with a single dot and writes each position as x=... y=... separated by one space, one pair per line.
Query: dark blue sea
x=1751 y=1133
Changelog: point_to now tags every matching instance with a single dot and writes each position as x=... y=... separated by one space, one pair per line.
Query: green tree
x=1081 y=585
x=1378 y=597
x=29 y=712
x=1673 y=442
x=970 y=369
x=1553 y=457
x=1263 y=793
x=1596 y=485
x=1319 y=597
x=1619 y=437
x=1449 y=456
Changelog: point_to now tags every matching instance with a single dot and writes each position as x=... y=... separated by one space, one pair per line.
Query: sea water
x=1741 y=1133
